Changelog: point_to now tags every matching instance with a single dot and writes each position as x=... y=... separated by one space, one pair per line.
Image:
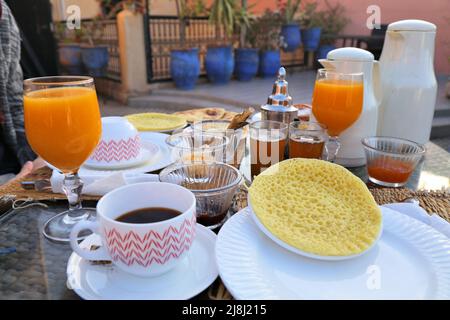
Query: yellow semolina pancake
x=317 y=207
x=156 y=121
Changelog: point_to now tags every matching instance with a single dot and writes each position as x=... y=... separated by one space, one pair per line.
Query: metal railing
x=164 y=35
x=104 y=32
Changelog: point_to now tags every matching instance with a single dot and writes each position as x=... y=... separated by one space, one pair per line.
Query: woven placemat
x=13 y=190
x=432 y=201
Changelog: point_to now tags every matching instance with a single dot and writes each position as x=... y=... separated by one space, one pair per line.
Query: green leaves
x=223 y=12
x=291 y=9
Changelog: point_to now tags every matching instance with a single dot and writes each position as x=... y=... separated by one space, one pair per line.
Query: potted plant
x=266 y=31
x=69 y=50
x=290 y=30
x=184 y=61
x=333 y=20
x=95 y=56
x=219 y=60
x=247 y=55
x=310 y=27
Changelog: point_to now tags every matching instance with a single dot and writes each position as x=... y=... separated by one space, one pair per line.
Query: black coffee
x=148 y=215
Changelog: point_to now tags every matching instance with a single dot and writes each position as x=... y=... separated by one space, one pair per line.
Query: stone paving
x=234 y=95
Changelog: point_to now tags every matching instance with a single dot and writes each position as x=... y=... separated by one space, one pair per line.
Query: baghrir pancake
x=156 y=121
x=317 y=207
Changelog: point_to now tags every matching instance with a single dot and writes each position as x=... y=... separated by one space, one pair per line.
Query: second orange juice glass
x=337 y=102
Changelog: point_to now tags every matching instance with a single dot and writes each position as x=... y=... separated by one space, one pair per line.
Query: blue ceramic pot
x=269 y=63
x=185 y=68
x=219 y=64
x=70 y=59
x=311 y=38
x=95 y=60
x=291 y=36
x=246 y=64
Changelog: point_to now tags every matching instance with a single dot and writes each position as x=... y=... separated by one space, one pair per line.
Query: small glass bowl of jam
x=391 y=161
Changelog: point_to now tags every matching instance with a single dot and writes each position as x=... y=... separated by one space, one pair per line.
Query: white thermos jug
x=355 y=60
x=408 y=81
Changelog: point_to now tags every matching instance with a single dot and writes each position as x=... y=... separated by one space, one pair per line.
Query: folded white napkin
x=415 y=211
x=99 y=185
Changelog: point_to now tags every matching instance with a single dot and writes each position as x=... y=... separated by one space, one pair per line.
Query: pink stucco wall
x=435 y=11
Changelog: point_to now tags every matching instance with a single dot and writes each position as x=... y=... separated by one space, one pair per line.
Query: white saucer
x=149 y=150
x=160 y=161
x=99 y=282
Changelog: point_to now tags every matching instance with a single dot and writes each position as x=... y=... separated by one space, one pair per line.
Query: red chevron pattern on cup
x=117 y=150
x=151 y=248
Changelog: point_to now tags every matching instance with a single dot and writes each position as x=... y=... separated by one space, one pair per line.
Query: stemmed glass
x=63 y=126
x=337 y=103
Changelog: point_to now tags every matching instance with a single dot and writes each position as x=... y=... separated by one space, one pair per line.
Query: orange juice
x=63 y=125
x=337 y=103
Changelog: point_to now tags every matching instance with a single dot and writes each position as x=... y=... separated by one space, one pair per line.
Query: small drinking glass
x=307 y=139
x=220 y=127
x=198 y=146
x=267 y=144
x=391 y=161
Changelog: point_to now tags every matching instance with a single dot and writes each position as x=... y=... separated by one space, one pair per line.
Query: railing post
x=132 y=52
x=148 y=46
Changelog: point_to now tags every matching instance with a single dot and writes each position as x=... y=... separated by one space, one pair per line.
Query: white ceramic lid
x=350 y=54
x=412 y=25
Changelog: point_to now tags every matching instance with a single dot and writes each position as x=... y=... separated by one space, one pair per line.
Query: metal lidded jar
x=279 y=104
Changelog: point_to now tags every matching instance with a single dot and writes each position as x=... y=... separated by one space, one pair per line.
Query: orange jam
x=390 y=170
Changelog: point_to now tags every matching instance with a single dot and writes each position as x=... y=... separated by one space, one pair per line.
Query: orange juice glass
x=337 y=102
x=63 y=126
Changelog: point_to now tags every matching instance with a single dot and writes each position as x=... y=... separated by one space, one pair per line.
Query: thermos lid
x=412 y=25
x=280 y=95
x=350 y=54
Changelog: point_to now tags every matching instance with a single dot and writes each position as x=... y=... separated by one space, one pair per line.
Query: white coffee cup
x=120 y=144
x=148 y=249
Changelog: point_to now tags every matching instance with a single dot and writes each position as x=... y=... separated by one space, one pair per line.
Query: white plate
x=193 y=275
x=162 y=160
x=149 y=150
x=303 y=253
x=168 y=131
x=410 y=261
